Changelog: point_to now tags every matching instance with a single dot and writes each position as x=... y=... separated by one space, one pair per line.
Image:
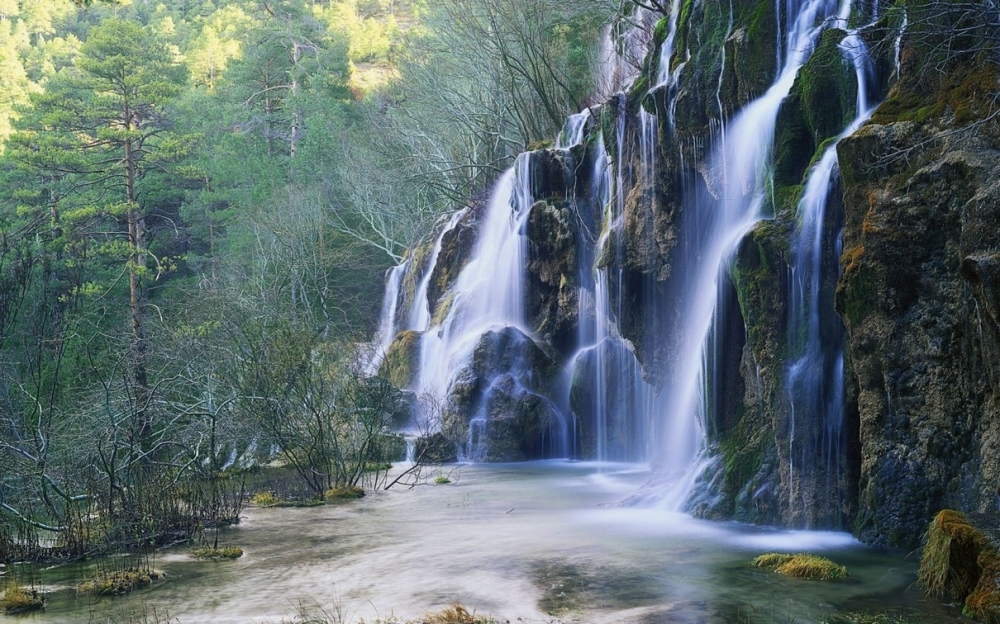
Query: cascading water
x=815 y=378
x=716 y=217
x=480 y=345
x=387 y=328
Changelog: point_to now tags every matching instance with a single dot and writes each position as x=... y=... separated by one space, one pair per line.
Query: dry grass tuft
x=802 y=565
x=118 y=582
x=456 y=614
x=19 y=599
x=226 y=552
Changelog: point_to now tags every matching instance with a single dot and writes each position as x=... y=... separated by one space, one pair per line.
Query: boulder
x=499 y=406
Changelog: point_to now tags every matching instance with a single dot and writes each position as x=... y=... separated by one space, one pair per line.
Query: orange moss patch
x=852 y=258
x=960 y=562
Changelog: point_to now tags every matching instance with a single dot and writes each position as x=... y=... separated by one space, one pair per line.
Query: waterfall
x=716 y=217
x=480 y=348
x=420 y=314
x=387 y=319
x=815 y=378
x=572 y=133
x=664 y=75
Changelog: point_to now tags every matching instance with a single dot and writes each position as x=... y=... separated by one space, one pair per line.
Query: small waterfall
x=420 y=313
x=572 y=133
x=387 y=319
x=898 y=45
x=815 y=378
x=488 y=295
x=664 y=75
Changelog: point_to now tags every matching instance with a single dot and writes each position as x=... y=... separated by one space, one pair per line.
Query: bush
x=456 y=614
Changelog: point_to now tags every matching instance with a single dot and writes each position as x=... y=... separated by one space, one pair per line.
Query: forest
x=200 y=200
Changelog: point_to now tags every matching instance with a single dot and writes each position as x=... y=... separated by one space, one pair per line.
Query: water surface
x=542 y=541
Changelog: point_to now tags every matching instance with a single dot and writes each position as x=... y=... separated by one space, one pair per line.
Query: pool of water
x=539 y=542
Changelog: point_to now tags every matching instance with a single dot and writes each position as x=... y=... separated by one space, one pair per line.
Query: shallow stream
x=535 y=542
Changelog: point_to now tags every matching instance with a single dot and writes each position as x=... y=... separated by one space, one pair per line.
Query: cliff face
x=851 y=374
x=919 y=297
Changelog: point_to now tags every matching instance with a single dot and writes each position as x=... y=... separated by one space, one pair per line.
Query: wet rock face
x=498 y=407
x=402 y=359
x=918 y=294
x=456 y=248
x=553 y=269
x=616 y=403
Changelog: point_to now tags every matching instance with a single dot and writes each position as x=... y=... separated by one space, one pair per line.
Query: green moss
x=639 y=90
x=264 y=499
x=683 y=26
x=661 y=30
x=820 y=104
x=802 y=565
x=402 y=359
x=857 y=298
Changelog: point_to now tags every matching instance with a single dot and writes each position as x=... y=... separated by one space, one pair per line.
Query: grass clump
x=20 y=599
x=867 y=618
x=208 y=552
x=961 y=562
x=118 y=582
x=802 y=565
x=264 y=499
x=456 y=614
x=441 y=480
x=344 y=492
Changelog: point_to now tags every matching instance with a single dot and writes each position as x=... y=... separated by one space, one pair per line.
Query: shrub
x=456 y=614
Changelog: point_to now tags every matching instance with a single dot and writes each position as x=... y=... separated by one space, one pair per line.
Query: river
x=535 y=542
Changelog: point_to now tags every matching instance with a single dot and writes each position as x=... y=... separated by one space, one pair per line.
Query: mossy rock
x=402 y=359
x=457 y=245
x=436 y=448
x=961 y=562
x=552 y=274
x=344 y=492
x=802 y=565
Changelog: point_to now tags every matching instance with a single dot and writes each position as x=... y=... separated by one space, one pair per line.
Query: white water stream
x=533 y=542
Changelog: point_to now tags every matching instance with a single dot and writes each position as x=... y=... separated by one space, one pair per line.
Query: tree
x=288 y=57
x=103 y=130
